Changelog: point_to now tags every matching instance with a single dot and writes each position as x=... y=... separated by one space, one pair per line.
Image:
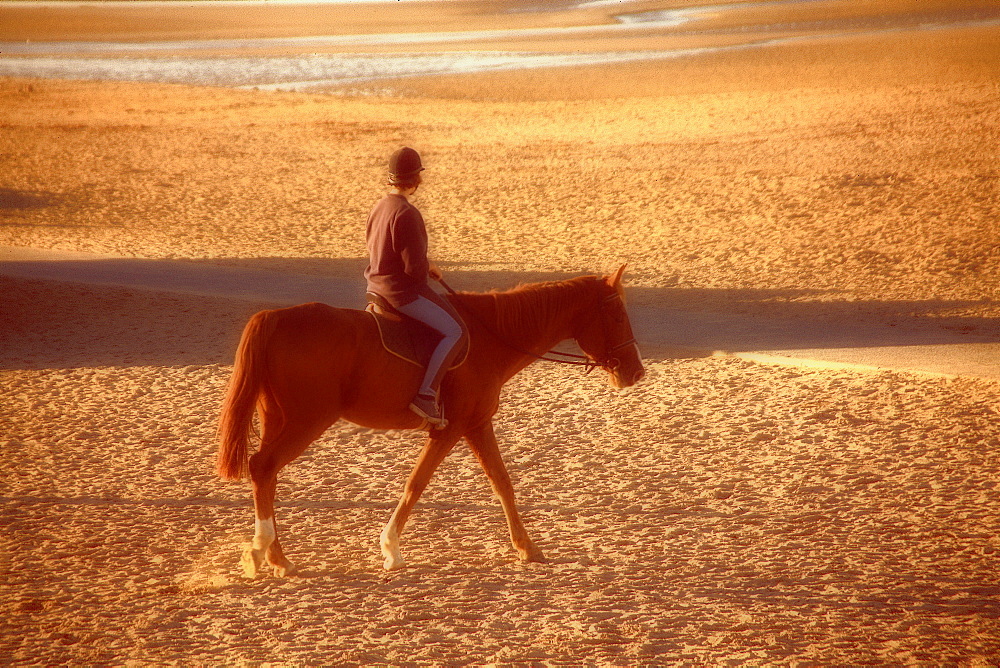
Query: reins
x=571 y=358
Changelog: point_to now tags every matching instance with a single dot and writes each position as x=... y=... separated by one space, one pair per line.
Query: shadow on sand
x=23 y=200
x=87 y=313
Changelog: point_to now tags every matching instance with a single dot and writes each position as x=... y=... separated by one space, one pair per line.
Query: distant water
x=165 y=61
x=298 y=73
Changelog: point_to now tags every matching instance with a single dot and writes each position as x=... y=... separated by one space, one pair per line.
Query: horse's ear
x=616 y=279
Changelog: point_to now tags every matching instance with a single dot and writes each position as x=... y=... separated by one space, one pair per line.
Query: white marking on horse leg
x=389 y=542
x=253 y=556
x=263 y=534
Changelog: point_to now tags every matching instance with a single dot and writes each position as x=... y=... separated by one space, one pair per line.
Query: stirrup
x=426 y=406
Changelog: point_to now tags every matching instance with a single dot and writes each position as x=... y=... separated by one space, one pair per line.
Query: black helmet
x=404 y=165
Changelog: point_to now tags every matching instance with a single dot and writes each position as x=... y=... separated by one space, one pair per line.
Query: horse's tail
x=247 y=382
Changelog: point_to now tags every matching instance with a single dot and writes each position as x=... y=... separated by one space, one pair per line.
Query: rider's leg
x=452 y=331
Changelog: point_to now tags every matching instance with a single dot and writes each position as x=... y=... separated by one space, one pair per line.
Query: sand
x=827 y=183
x=720 y=512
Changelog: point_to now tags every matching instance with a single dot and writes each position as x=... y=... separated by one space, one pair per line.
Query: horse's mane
x=512 y=313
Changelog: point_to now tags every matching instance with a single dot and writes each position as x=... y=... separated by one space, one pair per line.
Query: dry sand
x=721 y=512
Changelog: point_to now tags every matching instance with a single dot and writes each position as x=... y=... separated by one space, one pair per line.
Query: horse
x=303 y=368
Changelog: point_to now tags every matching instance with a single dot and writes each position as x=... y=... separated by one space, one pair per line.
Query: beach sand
x=720 y=512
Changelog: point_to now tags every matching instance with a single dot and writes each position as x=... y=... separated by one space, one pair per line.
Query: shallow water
x=165 y=61
x=626 y=23
x=308 y=71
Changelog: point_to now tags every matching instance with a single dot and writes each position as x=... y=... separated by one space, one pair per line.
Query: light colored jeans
x=452 y=331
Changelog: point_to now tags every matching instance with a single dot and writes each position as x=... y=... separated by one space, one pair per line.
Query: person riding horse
x=301 y=369
x=399 y=272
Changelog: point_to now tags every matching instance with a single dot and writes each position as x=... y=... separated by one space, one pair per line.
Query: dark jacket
x=397 y=248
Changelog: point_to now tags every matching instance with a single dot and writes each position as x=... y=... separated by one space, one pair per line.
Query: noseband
x=610 y=363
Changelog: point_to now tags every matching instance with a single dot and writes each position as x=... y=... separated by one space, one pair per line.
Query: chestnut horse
x=305 y=367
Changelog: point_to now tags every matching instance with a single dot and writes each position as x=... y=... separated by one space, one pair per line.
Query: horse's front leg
x=438 y=445
x=484 y=444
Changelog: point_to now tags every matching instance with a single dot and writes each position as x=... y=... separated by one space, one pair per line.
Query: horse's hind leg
x=275 y=452
x=484 y=444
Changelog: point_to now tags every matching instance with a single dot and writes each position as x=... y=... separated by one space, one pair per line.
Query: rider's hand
x=434 y=272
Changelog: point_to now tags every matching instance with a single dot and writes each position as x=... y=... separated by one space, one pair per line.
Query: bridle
x=609 y=363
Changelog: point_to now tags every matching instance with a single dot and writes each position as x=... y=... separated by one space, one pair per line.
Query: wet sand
x=721 y=512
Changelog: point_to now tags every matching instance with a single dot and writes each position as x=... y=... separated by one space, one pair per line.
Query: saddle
x=406 y=338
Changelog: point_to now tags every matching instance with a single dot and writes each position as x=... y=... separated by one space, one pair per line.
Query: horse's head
x=606 y=336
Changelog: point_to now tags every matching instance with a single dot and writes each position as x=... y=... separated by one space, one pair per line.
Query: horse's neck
x=558 y=323
x=533 y=319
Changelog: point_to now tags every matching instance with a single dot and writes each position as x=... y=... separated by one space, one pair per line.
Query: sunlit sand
x=720 y=512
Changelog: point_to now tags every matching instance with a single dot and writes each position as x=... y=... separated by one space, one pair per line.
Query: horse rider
x=399 y=272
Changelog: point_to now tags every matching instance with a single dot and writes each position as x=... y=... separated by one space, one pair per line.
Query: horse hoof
x=286 y=570
x=393 y=563
x=251 y=561
x=533 y=556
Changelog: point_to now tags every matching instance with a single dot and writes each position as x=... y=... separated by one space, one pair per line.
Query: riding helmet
x=404 y=164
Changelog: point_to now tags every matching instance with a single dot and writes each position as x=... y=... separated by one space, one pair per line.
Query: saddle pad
x=409 y=339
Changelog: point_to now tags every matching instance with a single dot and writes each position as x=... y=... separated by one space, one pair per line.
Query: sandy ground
x=826 y=183
x=721 y=512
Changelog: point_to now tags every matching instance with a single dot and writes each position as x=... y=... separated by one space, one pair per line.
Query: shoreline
x=365 y=50
x=267 y=71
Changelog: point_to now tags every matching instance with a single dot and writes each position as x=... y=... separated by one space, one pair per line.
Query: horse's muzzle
x=622 y=378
